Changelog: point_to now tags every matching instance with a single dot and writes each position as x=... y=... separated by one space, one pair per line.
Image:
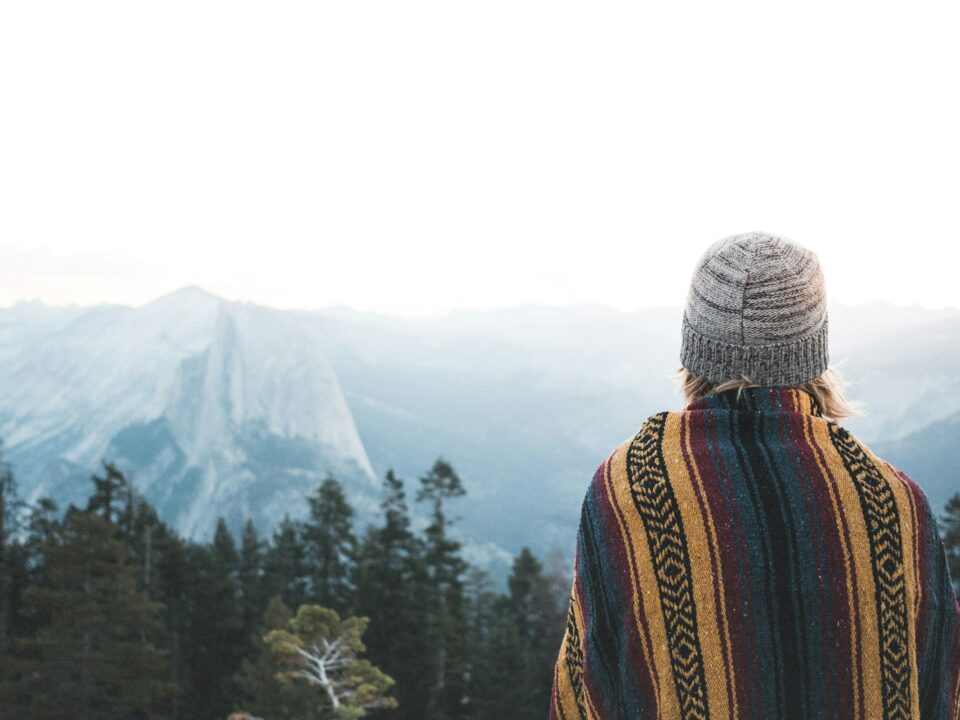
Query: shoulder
x=652 y=432
x=901 y=482
x=915 y=492
x=641 y=447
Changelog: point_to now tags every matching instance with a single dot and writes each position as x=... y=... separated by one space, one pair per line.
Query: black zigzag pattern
x=574 y=661
x=886 y=552
x=657 y=505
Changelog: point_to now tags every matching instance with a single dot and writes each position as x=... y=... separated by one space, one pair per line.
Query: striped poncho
x=749 y=558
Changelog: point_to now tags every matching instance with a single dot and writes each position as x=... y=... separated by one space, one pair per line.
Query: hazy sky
x=413 y=157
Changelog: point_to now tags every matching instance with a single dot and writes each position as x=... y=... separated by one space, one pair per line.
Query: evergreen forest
x=106 y=613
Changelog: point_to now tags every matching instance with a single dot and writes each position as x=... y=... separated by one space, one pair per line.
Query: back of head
x=756 y=314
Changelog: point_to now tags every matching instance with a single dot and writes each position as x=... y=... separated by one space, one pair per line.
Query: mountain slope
x=215 y=407
x=931 y=457
x=907 y=378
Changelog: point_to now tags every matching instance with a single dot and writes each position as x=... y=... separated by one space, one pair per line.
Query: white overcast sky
x=412 y=157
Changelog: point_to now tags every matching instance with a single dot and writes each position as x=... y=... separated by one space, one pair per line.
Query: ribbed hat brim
x=783 y=364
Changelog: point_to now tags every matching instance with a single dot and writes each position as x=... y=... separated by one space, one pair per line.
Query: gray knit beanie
x=756 y=307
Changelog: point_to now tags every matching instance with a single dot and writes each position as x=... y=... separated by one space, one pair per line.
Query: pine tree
x=225 y=548
x=330 y=546
x=389 y=577
x=500 y=684
x=16 y=580
x=113 y=496
x=150 y=539
x=482 y=604
x=446 y=619
x=250 y=579
x=537 y=616
x=286 y=565
x=11 y=556
x=92 y=655
x=515 y=639
x=42 y=524
x=174 y=581
x=42 y=530
x=167 y=569
x=214 y=631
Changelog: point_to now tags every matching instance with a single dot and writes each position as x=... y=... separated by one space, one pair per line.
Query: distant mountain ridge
x=214 y=407
x=219 y=407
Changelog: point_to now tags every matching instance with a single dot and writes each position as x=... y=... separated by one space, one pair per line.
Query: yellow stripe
x=620 y=484
x=862 y=562
x=562 y=693
x=627 y=542
x=698 y=536
x=565 y=694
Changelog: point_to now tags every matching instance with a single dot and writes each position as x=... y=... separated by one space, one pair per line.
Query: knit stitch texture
x=756 y=306
x=749 y=558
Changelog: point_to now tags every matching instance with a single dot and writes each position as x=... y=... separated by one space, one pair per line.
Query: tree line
x=106 y=612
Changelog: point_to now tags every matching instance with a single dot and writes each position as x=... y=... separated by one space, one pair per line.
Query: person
x=747 y=556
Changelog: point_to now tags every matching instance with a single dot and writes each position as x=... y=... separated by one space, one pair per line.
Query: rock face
x=216 y=408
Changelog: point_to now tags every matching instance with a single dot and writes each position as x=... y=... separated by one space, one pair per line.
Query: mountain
x=214 y=407
x=930 y=456
x=908 y=378
x=230 y=408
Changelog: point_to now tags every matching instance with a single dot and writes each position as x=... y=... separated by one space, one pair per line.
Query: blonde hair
x=827 y=389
